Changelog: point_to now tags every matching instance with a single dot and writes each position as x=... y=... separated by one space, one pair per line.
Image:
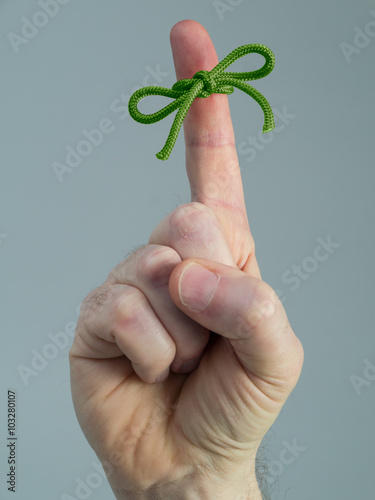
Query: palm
x=179 y=417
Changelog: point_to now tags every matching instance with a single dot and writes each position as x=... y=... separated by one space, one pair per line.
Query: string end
x=162 y=156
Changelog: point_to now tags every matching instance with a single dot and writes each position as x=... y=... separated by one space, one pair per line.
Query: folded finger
x=148 y=270
x=117 y=320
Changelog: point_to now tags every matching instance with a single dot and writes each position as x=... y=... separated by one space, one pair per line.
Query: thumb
x=247 y=312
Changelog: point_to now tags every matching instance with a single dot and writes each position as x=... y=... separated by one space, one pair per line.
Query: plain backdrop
x=311 y=180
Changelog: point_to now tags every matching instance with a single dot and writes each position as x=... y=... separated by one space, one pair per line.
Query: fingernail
x=189 y=366
x=197 y=286
x=163 y=376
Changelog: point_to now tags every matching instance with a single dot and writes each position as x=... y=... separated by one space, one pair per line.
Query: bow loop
x=204 y=84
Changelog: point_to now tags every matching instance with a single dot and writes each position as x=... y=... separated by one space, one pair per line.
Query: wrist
x=192 y=488
x=192 y=493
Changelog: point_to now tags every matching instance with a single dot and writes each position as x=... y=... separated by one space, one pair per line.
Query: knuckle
x=126 y=308
x=156 y=265
x=192 y=208
x=191 y=221
x=264 y=293
x=95 y=301
x=126 y=270
x=264 y=304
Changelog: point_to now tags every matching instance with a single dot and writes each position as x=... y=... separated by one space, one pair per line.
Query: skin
x=197 y=432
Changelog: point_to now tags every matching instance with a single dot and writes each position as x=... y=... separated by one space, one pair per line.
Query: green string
x=203 y=84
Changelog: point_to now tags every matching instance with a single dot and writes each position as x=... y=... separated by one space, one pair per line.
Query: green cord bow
x=203 y=84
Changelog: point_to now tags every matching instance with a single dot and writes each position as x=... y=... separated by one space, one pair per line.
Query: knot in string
x=203 y=84
x=208 y=88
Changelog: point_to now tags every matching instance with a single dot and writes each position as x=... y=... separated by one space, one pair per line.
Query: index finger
x=211 y=158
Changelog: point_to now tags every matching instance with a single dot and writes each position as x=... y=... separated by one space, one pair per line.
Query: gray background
x=314 y=178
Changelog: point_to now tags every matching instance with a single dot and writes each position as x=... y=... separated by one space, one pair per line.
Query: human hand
x=193 y=435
